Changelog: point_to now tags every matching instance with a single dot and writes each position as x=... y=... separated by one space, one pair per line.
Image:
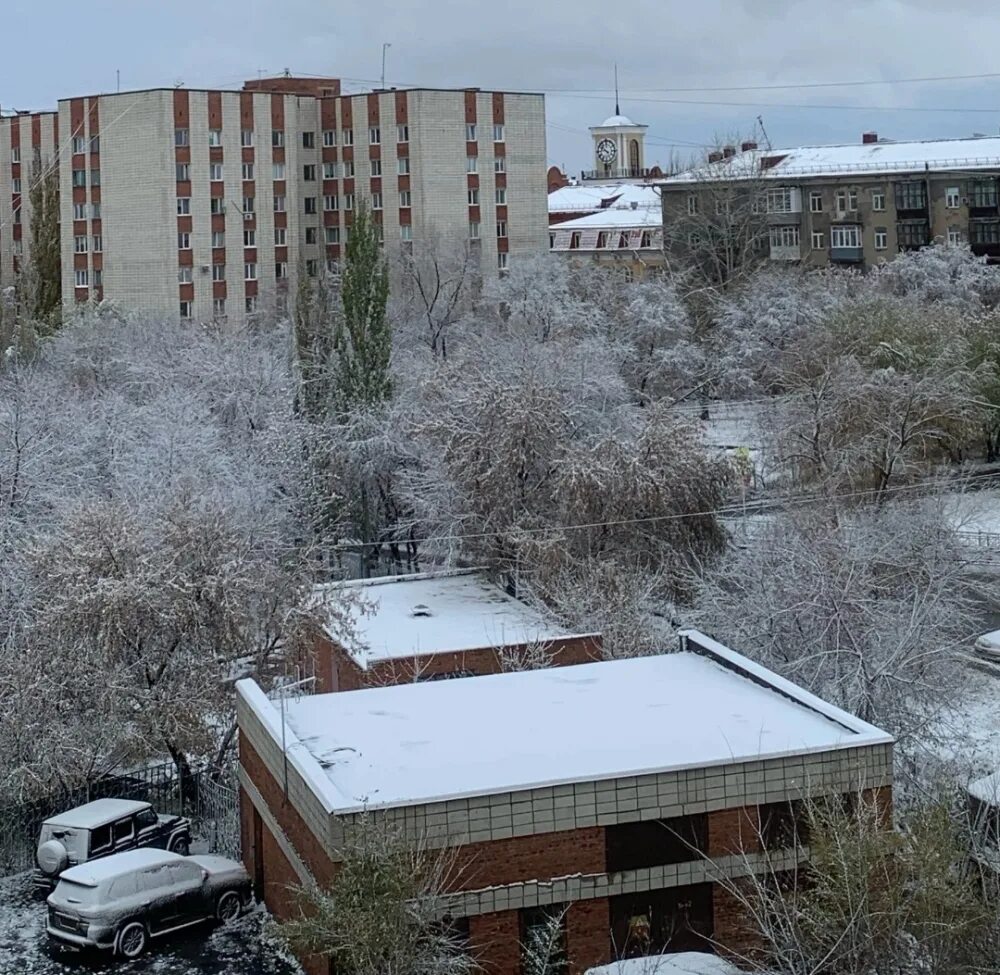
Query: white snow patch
x=682 y=963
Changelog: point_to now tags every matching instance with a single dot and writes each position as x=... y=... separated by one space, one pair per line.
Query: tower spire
x=618 y=110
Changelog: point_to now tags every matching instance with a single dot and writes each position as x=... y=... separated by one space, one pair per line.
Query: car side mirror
x=204 y=875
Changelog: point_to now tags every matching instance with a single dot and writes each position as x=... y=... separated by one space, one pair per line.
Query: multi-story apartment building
x=614 y=796
x=202 y=204
x=847 y=204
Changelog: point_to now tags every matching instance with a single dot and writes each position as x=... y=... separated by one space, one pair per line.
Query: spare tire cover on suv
x=52 y=857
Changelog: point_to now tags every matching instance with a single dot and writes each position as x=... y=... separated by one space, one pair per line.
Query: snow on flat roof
x=860 y=158
x=429 y=613
x=416 y=743
x=592 y=197
x=682 y=963
x=616 y=216
x=100 y=812
x=93 y=872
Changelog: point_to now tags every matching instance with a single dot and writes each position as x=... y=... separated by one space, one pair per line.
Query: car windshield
x=79 y=895
x=74 y=840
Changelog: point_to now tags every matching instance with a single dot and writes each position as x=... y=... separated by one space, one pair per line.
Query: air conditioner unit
x=205 y=268
x=248 y=216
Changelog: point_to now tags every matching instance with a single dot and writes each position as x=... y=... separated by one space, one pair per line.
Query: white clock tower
x=619 y=149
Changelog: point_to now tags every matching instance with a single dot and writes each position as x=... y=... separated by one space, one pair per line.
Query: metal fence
x=208 y=796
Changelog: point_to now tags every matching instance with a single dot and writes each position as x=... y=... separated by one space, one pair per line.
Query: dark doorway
x=674 y=919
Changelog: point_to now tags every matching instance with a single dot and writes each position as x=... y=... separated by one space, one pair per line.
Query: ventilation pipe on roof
x=868 y=138
x=728 y=152
x=634 y=204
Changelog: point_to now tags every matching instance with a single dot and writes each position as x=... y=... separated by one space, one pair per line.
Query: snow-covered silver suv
x=101 y=828
x=120 y=902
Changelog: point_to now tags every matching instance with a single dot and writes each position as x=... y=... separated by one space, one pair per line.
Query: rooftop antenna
x=118 y=79
x=385 y=47
x=763 y=132
x=618 y=110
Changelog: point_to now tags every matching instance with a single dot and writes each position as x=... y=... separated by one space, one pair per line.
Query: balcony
x=847 y=255
x=612 y=173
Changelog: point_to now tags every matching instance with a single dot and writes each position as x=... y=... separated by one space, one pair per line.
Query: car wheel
x=181 y=845
x=229 y=907
x=132 y=940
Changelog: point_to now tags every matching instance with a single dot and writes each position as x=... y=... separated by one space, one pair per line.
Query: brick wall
x=733 y=831
x=541 y=856
x=496 y=942
x=733 y=934
x=588 y=935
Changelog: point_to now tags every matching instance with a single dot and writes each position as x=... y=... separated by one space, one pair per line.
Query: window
x=183 y=173
x=333 y=235
x=348 y=168
x=954 y=236
x=852 y=200
x=309 y=173
x=470 y=132
x=501 y=228
x=278 y=170
x=308 y=140
x=912 y=233
x=95 y=143
x=403 y=165
x=79 y=211
x=881 y=238
x=841 y=201
x=219 y=307
x=782 y=825
x=312 y=267
x=248 y=170
x=215 y=172
x=602 y=238
x=347 y=137
x=281 y=270
x=472 y=164
x=376 y=167
x=184 y=274
x=250 y=304
x=985 y=232
x=330 y=202
x=181 y=137
x=185 y=309
x=215 y=137
x=184 y=242
x=183 y=206
x=374 y=135
x=145 y=818
x=543 y=933
x=878 y=200
x=348 y=201
x=246 y=138
x=218 y=272
x=501 y=196
x=97 y=243
x=404 y=199
x=250 y=272
x=249 y=238
x=16 y=185
x=574 y=240
x=499 y=165
x=279 y=203
x=329 y=137
x=785 y=236
x=217 y=206
x=721 y=207
x=498 y=133
x=845 y=236
x=646 y=240
x=79 y=178
x=249 y=205
x=79 y=145
x=277 y=138
x=312 y=235
x=655 y=842
x=473 y=198
x=329 y=170
x=98 y=278
x=406 y=232
x=95 y=211
x=218 y=238
x=15 y=153
x=376 y=201
x=692 y=204
x=623 y=239
x=402 y=133
x=280 y=237
x=952 y=198
x=816 y=201
x=911 y=195
x=501 y=262
x=780 y=200
x=80 y=245
x=473 y=230
x=309 y=203
x=95 y=177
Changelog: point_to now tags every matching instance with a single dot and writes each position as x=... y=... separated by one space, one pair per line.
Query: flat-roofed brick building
x=621 y=790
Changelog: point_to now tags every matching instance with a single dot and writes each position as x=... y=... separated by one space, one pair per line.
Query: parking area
x=242 y=948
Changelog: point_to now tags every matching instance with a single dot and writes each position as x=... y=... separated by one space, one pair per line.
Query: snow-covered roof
x=426 y=742
x=100 y=812
x=987 y=789
x=615 y=217
x=94 y=872
x=681 y=963
x=852 y=159
x=585 y=198
x=613 y=120
x=429 y=613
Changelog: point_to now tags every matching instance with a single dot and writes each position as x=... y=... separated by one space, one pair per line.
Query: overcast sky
x=62 y=48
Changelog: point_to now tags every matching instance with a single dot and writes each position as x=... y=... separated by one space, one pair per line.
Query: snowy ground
x=243 y=948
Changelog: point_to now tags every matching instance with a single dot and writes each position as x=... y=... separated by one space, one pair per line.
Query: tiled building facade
x=206 y=204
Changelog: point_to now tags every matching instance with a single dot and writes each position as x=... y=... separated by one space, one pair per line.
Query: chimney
x=748 y=146
x=634 y=204
x=869 y=138
x=728 y=152
x=714 y=157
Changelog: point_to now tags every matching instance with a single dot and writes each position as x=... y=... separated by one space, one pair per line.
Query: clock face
x=606 y=150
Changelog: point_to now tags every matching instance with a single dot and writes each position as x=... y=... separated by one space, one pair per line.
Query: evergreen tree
x=43 y=280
